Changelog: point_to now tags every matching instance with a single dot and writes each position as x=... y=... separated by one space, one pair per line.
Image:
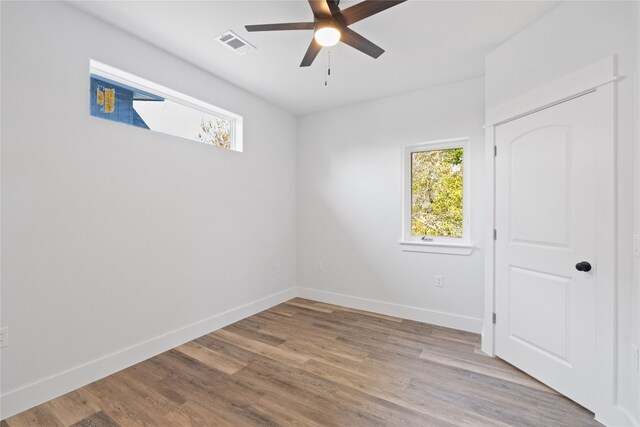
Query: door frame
x=599 y=77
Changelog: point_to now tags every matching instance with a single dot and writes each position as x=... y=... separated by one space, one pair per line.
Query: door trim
x=560 y=90
x=599 y=77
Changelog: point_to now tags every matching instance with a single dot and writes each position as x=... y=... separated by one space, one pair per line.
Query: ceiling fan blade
x=365 y=9
x=280 y=27
x=356 y=41
x=312 y=52
x=320 y=8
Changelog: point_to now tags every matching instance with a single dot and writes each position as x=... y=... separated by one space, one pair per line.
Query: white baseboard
x=613 y=415
x=16 y=401
x=449 y=320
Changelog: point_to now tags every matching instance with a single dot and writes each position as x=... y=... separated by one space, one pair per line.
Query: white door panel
x=544 y=325
x=539 y=207
x=546 y=223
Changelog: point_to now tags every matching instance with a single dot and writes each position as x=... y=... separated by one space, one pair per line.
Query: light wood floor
x=306 y=363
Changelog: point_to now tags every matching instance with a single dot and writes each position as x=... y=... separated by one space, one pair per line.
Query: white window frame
x=436 y=244
x=119 y=76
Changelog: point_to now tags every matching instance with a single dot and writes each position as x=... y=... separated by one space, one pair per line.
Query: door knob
x=583 y=266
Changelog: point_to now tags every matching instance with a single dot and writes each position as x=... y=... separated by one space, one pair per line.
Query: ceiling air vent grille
x=235 y=43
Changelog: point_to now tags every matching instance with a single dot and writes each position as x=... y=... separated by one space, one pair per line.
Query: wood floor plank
x=309 y=305
x=311 y=395
x=331 y=350
x=99 y=419
x=283 y=414
x=235 y=352
x=211 y=358
x=289 y=328
x=389 y=391
x=260 y=348
x=307 y=363
x=501 y=372
x=194 y=415
x=38 y=416
x=150 y=372
x=73 y=407
x=121 y=404
x=472 y=419
x=255 y=334
x=368 y=313
x=283 y=310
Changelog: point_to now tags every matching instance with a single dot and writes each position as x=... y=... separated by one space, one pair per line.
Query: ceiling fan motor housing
x=326 y=22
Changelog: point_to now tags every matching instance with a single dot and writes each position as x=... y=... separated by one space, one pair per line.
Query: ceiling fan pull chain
x=325 y=79
x=327 y=68
x=328 y=74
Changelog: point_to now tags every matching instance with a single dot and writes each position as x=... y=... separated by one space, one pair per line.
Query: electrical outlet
x=636 y=245
x=4 y=337
x=636 y=357
x=319 y=267
x=277 y=267
x=439 y=281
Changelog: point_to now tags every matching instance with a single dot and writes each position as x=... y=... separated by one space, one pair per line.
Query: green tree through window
x=436 y=193
x=215 y=132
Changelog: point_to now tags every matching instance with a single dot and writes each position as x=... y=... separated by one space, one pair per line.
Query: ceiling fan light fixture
x=327 y=35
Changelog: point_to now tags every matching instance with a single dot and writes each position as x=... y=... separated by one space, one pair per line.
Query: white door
x=545 y=227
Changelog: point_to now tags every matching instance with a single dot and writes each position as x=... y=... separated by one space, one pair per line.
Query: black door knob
x=583 y=266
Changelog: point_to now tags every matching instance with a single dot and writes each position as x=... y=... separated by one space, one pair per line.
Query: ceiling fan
x=331 y=25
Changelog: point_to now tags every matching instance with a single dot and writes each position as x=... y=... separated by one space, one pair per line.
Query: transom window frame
x=119 y=76
x=436 y=244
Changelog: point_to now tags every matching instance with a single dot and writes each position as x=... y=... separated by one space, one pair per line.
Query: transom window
x=435 y=193
x=122 y=97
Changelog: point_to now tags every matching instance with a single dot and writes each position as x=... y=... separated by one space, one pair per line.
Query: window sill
x=436 y=247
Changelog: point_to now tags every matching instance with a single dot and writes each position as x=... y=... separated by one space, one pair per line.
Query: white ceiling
x=427 y=43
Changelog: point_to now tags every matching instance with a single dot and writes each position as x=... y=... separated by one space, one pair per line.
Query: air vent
x=235 y=43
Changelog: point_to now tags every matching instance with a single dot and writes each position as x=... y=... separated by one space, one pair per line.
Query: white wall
x=636 y=211
x=571 y=36
x=112 y=235
x=349 y=206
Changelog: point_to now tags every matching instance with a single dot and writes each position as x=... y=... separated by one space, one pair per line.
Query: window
x=125 y=98
x=435 y=197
